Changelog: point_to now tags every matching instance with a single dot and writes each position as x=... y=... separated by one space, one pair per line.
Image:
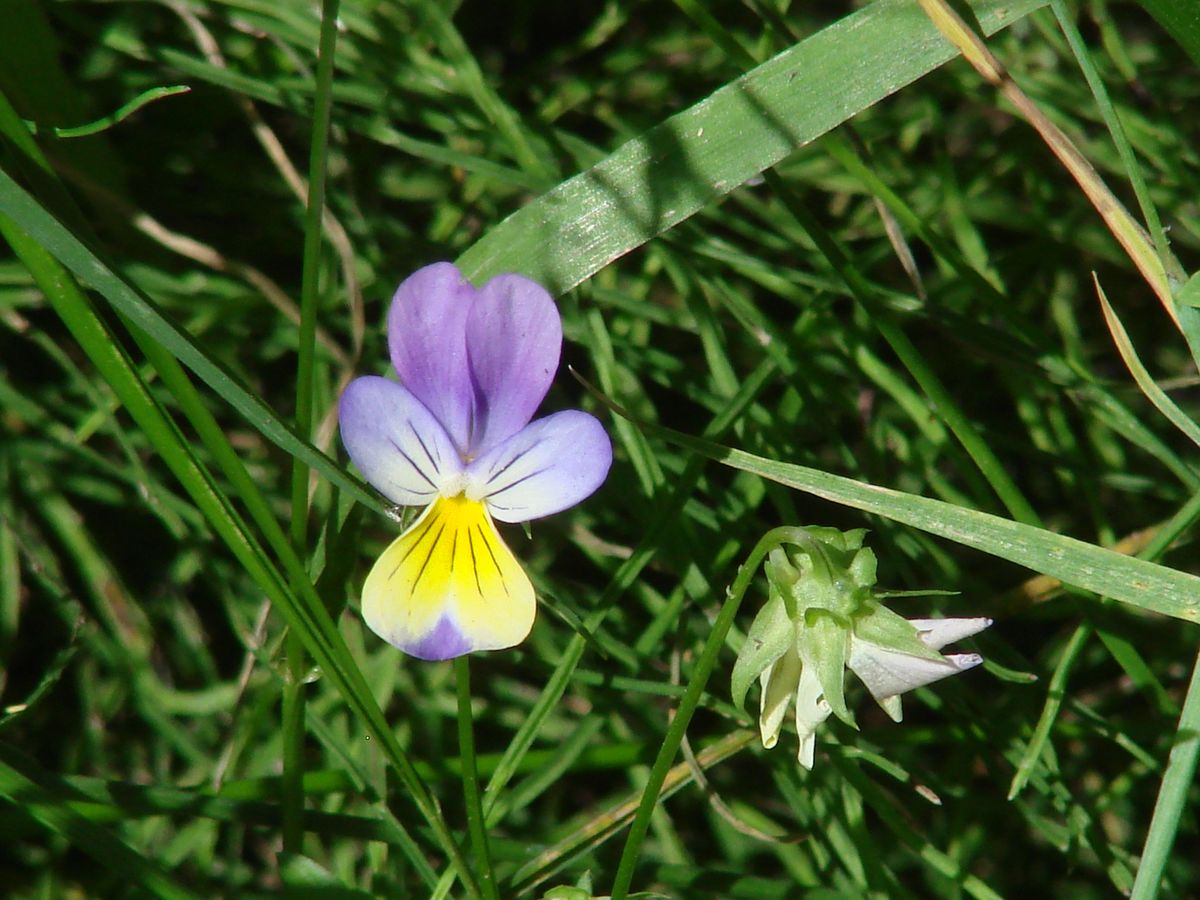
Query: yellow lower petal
x=449 y=586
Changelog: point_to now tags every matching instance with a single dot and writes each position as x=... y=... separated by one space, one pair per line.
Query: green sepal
x=863 y=568
x=770 y=635
x=824 y=643
x=887 y=629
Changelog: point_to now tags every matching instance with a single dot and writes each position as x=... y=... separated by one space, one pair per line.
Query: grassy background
x=965 y=359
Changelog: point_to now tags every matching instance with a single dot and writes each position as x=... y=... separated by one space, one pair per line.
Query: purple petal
x=427 y=338
x=444 y=642
x=396 y=442
x=514 y=337
x=547 y=466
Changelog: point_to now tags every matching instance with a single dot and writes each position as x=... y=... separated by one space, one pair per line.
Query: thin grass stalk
x=476 y=825
x=687 y=706
x=1172 y=796
x=294 y=691
x=1120 y=140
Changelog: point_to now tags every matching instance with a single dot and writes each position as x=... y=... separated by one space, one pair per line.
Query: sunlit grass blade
x=1116 y=130
x=699 y=155
x=1172 y=795
x=1105 y=572
x=1129 y=234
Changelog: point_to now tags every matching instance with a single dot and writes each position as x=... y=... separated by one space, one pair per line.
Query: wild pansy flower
x=455 y=436
x=822 y=617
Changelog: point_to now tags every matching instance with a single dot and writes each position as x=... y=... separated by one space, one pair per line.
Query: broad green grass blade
x=1105 y=572
x=697 y=156
x=51 y=234
x=1181 y=19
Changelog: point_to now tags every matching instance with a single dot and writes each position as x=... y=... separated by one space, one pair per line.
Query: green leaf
x=701 y=154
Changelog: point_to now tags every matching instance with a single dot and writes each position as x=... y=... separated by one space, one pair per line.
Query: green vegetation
x=815 y=268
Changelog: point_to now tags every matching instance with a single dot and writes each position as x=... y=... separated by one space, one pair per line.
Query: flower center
x=453 y=485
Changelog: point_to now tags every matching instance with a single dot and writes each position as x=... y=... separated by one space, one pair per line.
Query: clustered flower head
x=822 y=616
x=455 y=436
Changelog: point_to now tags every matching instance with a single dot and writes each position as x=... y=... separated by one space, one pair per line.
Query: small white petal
x=808 y=750
x=937 y=633
x=894 y=708
x=888 y=673
x=778 y=682
x=811 y=711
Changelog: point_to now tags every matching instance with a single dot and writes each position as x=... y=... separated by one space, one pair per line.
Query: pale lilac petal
x=427 y=338
x=887 y=673
x=546 y=467
x=514 y=337
x=396 y=442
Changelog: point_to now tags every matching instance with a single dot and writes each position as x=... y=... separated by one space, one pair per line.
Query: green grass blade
x=294 y=691
x=307 y=615
x=476 y=825
x=1180 y=19
x=1116 y=130
x=1172 y=795
x=1104 y=572
x=697 y=156
x=123 y=112
x=47 y=807
x=1156 y=395
x=51 y=234
x=1055 y=693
